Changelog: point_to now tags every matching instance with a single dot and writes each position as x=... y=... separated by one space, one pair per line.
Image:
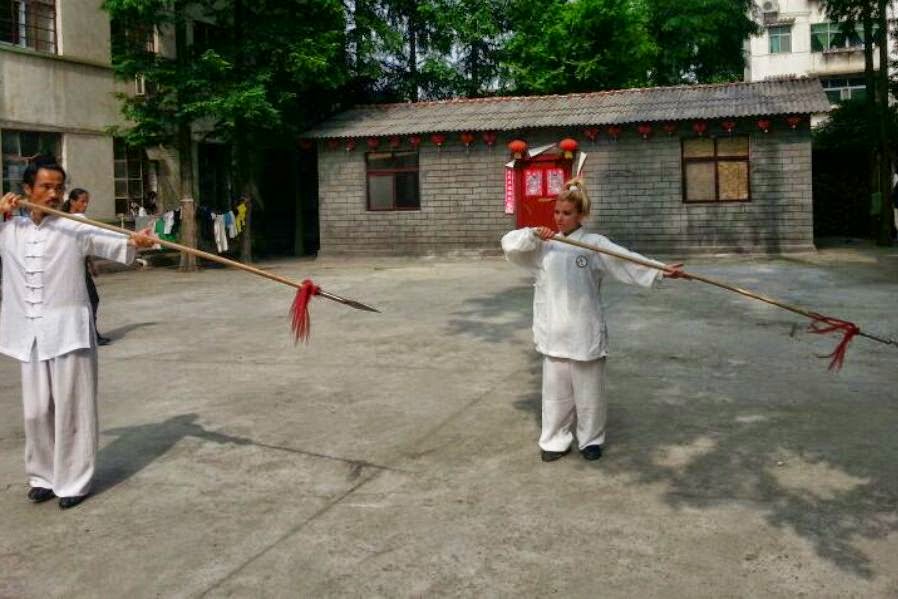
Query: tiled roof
x=729 y=100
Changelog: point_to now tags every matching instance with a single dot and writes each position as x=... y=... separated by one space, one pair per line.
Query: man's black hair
x=47 y=162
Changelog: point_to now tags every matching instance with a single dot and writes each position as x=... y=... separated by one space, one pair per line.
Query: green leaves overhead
x=252 y=63
x=276 y=66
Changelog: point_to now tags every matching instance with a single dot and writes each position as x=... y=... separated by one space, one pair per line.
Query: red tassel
x=299 y=312
x=827 y=324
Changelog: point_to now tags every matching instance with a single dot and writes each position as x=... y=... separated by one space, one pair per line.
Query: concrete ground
x=396 y=456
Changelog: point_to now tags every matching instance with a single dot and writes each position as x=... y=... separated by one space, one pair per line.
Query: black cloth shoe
x=40 y=494
x=551 y=456
x=101 y=340
x=591 y=452
x=67 y=502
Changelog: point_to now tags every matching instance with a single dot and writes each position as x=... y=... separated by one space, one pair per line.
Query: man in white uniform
x=46 y=324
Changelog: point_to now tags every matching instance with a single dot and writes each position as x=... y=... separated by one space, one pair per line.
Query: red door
x=539 y=181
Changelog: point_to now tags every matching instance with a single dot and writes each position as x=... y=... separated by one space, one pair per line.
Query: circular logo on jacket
x=582 y=261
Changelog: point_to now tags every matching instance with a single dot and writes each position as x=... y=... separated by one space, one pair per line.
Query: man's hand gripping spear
x=299 y=311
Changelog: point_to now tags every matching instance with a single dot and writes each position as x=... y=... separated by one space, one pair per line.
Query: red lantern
x=670 y=128
x=793 y=121
x=395 y=141
x=333 y=144
x=728 y=126
x=467 y=139
x=699 y=127
x=373 y=143
x=350 y=145
x=645 y=130
x=614 y=131
x=518 y=147
x=568 y=146
x=305 y=144
x=414 y=141
x=438 y=139
x=764 y=125
x=489 y=138
x=591 y=133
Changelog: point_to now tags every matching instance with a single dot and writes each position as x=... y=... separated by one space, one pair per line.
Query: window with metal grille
x=716 y=170
x=133 y=37
x=128 y=172
x=780 y=39
x=20 y=148
x=29 y=24
x=393 y=181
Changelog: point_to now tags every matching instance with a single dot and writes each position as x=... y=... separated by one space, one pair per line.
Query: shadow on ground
x=794 y=447
x=136 y=447
x=121 y=332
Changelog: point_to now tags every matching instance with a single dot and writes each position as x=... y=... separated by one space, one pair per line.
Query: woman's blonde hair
x=575 y=192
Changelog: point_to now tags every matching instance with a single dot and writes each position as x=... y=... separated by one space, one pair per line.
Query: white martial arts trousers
x=573 y=390
x=60 y=405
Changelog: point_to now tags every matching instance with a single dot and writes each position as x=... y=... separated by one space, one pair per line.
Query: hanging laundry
x=218 y=228
x=229 y=223
x=240 y=221
x=169 y=219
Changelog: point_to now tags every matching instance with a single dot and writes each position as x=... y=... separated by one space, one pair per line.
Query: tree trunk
x=413 y=58
x=243 y=167
x=884 y=236
x=870 y=101
x=185 y=162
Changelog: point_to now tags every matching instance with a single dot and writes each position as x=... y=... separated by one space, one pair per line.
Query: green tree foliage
x=585 y=45
x=266 y=65
x=698 y=40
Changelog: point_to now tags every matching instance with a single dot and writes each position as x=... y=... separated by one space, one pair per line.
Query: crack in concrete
x=327 y=508
x=289 y=533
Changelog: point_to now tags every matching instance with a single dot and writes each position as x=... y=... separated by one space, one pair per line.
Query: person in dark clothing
x=77 y=203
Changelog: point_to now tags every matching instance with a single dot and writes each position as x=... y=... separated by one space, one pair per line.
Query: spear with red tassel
x=299 y=311
x=820 y=324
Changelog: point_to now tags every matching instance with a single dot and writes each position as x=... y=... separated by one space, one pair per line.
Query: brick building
x=692 y=168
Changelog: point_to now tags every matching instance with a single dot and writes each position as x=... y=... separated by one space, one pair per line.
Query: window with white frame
x=20 y=148
x=835 y=36
x=29 y=24
x=839 y=89
x=129 y=167
x=780 y=39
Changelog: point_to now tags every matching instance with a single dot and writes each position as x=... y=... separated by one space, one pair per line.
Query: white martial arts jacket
x=568 y=320
x=44 y=293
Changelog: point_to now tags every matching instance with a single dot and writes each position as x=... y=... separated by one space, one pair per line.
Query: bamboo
x=747 y=293
x=197 y=252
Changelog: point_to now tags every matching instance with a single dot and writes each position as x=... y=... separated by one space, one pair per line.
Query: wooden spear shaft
x=196 y=252
x=769 y=300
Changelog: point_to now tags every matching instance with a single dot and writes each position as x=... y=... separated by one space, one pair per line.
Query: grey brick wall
x=635 y=186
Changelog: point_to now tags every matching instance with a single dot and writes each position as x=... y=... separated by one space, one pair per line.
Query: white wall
x=88 y=160
x=800 y=61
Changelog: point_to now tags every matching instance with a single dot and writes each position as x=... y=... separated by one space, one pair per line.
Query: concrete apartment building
x=57 y=94
x=798 y=39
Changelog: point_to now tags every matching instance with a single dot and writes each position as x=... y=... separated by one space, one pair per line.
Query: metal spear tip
x=361 y=306
x=347 y=302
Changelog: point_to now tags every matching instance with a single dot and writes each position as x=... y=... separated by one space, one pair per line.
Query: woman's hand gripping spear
x=819 y=323
x=299 y=311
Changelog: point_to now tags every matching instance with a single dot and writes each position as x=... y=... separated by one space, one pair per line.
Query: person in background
x=77 y=203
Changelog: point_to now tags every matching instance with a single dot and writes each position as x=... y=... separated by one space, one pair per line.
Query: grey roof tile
x=654 y=104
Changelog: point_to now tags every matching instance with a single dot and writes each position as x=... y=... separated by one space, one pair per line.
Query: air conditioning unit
x=770 y=7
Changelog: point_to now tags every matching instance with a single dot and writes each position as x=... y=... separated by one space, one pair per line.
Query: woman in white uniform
x=568 y=321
